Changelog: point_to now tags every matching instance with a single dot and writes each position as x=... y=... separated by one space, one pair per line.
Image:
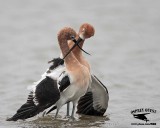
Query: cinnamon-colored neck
x=78 y=53
x=70 y=59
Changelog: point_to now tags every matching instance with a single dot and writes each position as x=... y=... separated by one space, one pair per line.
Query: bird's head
x=86 y=31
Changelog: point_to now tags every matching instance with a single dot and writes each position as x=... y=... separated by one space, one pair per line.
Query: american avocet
x=74 y=81
x=95 y=101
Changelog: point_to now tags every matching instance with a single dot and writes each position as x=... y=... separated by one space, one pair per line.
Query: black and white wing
x=43 y=94
x=95 y=101
x=63 y=82
x=46 y=94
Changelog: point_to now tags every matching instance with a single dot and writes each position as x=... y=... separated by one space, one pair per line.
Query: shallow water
x=125 y=55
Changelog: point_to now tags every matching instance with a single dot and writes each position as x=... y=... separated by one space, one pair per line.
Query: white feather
x=56 y=72
x=54 y=75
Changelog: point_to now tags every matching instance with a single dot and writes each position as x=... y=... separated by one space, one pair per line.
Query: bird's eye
x=72 y=37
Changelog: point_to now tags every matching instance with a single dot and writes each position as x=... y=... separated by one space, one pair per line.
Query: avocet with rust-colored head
x=95 y=101
x=73 y=80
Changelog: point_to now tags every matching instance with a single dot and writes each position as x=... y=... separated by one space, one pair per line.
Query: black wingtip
x=53 y=108
x=10 y=119
x=27 y=110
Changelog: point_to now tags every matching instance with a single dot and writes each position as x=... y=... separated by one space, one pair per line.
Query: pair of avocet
x=68 y=79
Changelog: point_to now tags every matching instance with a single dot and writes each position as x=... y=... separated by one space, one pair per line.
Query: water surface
x=125 y=55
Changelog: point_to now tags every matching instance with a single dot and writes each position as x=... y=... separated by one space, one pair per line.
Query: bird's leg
x=68 y=104
x=43 y=113
x=56 y=113
x=74 y=106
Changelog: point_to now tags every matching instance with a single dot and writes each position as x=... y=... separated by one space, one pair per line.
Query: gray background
x=125 y=54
